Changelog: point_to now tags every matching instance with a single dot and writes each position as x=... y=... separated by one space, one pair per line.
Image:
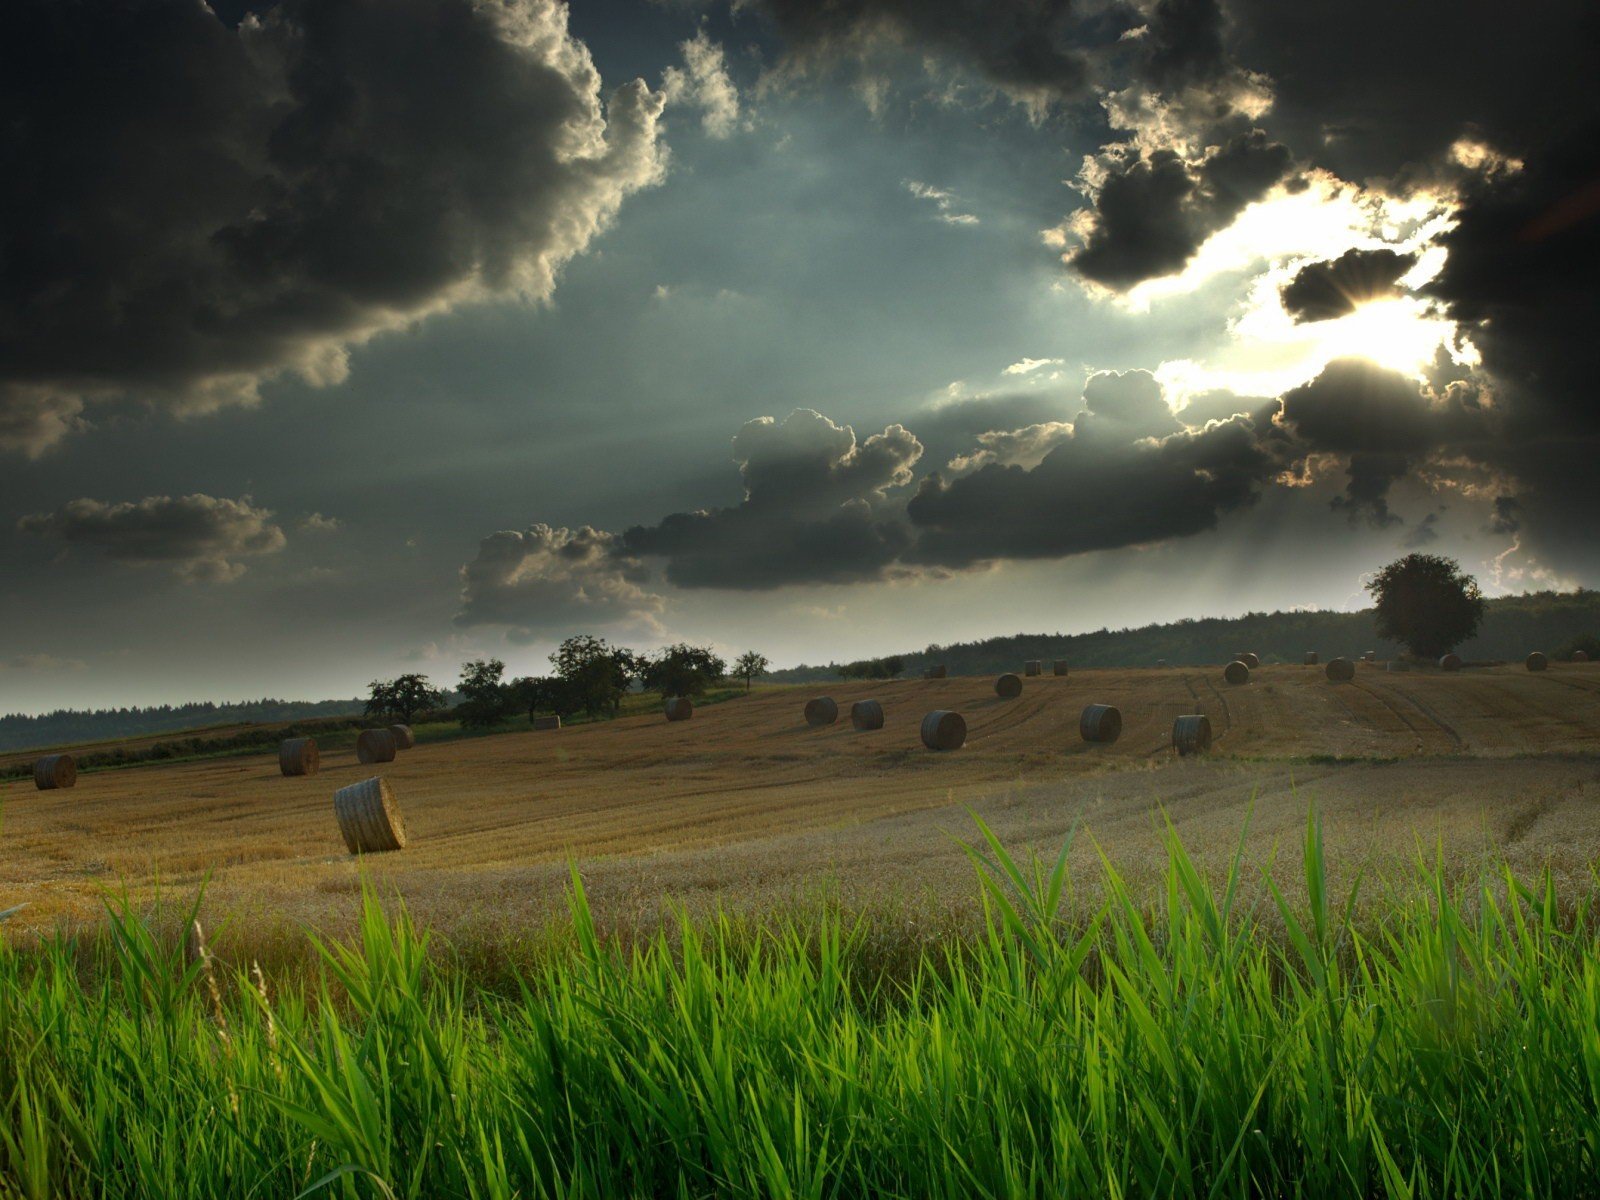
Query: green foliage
x=749 y=666
x=874 y=668
x=591 y=676
x=403 y=699
x=683 y=670
x=485 y=698
x=1426 y=603
x=1587 y=642
x=1187 y=1046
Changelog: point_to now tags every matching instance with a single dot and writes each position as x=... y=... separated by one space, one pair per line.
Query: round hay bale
x=1033 y=667
x=1536 y=661
x=1250 y=660
x=944 y=730
x=404 y=739
x=1161 y=664
x=1399 y=664
x=1059 y=667
x=375 y=746
x=55 y=771
x=1340 y=670
x=1370 y=656
x=1008 y=687
x=1450 y=662
x=1236 y=672
x=939 y=672
x=1100 y=723
x=1192 y=734
x=1311 y=658
x=1580 y=656
x=821 y=711
x=550 y=722
x=369 y=818
x=679 y=708
x=299 y=756
x=866 y=714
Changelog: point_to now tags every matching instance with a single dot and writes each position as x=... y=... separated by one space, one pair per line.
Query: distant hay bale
x=679 y=708
x=1311 y=658
x=1249 y=659
x=866 y=714
x=939 y=672
x=404 y=739
x=1580 y=656
x=1192 y=734
x=1340 y=670
x=552 y=722
x=55 y=771
x=1450 y=662
x=1100 y=723
x=821 y=711
x=375 y=746
x=369 y=818
x=299 y=756
x=944 y=730
x=1399 y=664
x=1537 y=661
x=1033 y=667
x=1059 y=667
x=1161 y=664
x=1370 y=656
x=1236 y=672
x=1008 y=687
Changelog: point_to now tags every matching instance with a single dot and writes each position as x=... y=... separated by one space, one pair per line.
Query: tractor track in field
x=1426 y=710
x=1435 y=724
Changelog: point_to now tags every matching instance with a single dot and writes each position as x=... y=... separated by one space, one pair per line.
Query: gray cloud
x=199 y=537
x=547 y=580
x=814 y=510
x=1322 y=291
x=189 y=209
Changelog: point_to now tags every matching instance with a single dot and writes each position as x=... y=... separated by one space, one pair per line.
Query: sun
x=1397 y=332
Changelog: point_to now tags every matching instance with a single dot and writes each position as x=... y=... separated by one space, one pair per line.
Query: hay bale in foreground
x=1236 y=672
x=1100 y=723
x=299 y=756
x=1008 y=687
x=55 y=771
x=821 y=711
x=866 y=714
x=375 y=746
x=1340 y=670
x=1059 y=667
x=944 y=730
x=1450 y=662
x=1249 y=659
x=404 y=739
x=1311 y=658
x=1536 y=661
x=1580 y=656
x=1192 y=734
x=1033 y=666
x=369 y=818
x=679 y=708
x=550 y=722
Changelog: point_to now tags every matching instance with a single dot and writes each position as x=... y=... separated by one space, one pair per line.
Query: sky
x=341 y=338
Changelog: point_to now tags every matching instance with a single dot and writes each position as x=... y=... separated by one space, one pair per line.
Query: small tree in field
x=683 y=670
x=485 y=699
x=593 y=675
x=1426 y=603
x=749 y=666
x=403 y=698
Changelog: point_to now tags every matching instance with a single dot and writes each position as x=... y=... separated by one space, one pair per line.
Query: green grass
x=1184 y=1047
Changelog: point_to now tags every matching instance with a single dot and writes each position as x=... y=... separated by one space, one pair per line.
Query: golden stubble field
x=747 y=806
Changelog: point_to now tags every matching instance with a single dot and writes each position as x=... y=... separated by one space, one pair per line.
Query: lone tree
x=403 y=698
x=485 y=699
x=1425 y=603
x=750 y=665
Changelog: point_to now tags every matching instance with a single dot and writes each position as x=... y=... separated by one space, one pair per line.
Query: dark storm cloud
x=1130 y=475
x=543 y=580
x=1383 y=423
x=199 y=537
x=815 y=510
x=1322 y=291
x=188 y=209
x=1153 y=211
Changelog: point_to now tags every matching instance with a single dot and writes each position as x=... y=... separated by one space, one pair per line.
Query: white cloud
x=703 y=82
x=943 y=201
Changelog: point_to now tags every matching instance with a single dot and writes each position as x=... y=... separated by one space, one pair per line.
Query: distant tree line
x=891 y=667
x=68 y=726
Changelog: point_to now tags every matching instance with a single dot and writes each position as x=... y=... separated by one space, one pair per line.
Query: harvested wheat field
x=747 y=804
